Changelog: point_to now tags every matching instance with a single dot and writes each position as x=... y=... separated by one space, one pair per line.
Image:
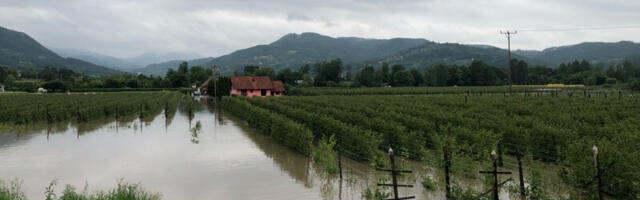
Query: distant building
x=278 y=88
x=250 y=86
x=1 y=88
x=204 y=87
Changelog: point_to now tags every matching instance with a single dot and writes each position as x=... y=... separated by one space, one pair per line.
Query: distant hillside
x=153 y=58
x=19 y=50
x=161 y=69
x=96 y=58
x=295 y=50
x=601 y=52
x=447 y=53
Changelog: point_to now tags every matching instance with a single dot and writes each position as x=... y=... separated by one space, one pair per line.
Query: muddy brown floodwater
x=226 y=160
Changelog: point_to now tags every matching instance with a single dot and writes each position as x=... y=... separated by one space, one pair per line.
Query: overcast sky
x=216 y=27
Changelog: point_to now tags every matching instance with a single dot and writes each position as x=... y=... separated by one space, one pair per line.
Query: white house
x=1 y=88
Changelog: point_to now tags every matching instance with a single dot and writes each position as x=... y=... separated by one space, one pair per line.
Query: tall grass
x=11 y=190
x=123 y=191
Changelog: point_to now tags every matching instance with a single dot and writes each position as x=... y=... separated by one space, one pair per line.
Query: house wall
x=250 y=93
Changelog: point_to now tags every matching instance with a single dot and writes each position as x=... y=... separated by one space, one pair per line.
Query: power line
x=580 y=28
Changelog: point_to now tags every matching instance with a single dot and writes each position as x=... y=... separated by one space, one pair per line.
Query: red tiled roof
x=206 y=83
x=251 y=82
x=278 y=86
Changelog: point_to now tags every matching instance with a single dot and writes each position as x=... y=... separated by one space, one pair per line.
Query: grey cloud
x=297 y=16
x=216 y=27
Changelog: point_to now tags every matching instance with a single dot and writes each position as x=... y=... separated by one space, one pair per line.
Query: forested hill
x=601 y=52
x=160 y=69
x=448 y=53
x=18 y=50
x=295 y=50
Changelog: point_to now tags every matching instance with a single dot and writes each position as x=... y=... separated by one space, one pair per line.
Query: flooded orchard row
x=225 y=159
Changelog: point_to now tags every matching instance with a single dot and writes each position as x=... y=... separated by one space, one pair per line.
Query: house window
x=263 y=93
x=244 y=92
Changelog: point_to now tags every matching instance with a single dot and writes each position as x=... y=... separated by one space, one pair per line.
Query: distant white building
x=42 y=90
x=1 y=88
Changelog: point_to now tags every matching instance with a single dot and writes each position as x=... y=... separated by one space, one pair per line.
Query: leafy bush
x=325 y=156
x=11 y=190
x=428 y=183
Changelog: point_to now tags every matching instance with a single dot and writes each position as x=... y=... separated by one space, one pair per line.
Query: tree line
x=334 y=73
x=63 y=79
x=477 y=73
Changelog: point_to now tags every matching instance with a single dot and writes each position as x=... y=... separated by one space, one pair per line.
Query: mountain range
x=124 y=64
x=294 y=50
x=19 y=50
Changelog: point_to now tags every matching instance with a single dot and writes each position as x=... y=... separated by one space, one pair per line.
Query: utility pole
x=509 y=33
x=215 y=87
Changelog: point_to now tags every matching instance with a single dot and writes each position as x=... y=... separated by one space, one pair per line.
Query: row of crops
x=559 y=130
x=29 y=108
x=474 y=90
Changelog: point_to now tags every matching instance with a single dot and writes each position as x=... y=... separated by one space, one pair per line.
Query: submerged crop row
x=29 y=108
x=471 y=90
x=560 y=130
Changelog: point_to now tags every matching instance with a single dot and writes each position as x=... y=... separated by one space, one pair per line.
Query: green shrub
x=428 y=183
x=11 y=190
x=324 y=154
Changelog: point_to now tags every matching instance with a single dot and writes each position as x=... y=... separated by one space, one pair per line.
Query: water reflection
x=230 y=160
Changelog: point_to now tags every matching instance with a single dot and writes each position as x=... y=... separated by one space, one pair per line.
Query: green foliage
x=29 y=108
x=55 y=86
x=634 y=85
x=282 y=129
x=328 y=73
x=325 y=155
x=552 y=129
x=459 y=193
x=195 y=131
x=377 y=193
x=11 y=190
x=534 y=190
x=123 y=191
x=428 y=183
x=403 y=78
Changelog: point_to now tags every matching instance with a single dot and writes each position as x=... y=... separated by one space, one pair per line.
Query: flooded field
x=225 y=160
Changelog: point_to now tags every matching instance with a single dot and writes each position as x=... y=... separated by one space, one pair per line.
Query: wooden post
x=495 y=176
x=500 y=163
x=141 y=111
x=619 y=94
x=340 y=165
x=597 y=171
x=519 y=157
x=394 y=179
x=447 y=164
x=340 y=170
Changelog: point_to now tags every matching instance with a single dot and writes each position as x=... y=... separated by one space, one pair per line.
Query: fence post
x=500 y=163
x=495 y=176
x=447 y=165
x=394 y=173
x=519 y=157
x=597 y=171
